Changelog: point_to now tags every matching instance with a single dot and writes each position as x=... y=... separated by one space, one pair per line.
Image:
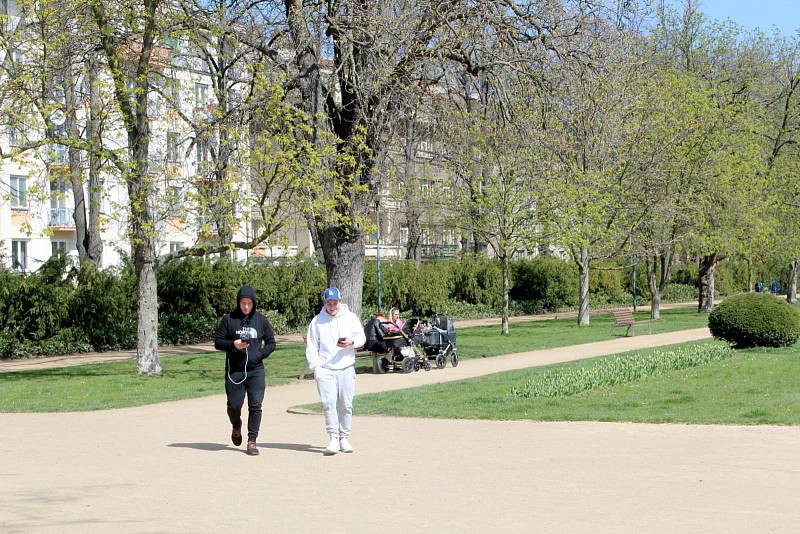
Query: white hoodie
x=323 y=334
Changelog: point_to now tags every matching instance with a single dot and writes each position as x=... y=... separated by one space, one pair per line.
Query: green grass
x=756 y=386
x=484 y=341
x=116 y=384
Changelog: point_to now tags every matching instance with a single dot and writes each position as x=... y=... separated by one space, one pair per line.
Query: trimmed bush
x=545 y=283
x=755 y=320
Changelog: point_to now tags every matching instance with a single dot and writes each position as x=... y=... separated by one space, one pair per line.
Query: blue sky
x=785 y=14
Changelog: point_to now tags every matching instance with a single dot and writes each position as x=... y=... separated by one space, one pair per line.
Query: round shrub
x=755 y=320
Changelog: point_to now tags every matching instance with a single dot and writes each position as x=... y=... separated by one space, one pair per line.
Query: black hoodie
x=229 y=330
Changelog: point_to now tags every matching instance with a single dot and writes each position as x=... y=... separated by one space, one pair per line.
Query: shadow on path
x=215 y=447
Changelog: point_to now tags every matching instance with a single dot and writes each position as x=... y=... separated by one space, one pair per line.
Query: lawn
x=116 y=384
x=756 y=386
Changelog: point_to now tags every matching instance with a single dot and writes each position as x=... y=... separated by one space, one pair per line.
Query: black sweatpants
x=254 y=386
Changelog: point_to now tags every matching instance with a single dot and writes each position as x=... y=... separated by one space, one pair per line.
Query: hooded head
x=246 y=292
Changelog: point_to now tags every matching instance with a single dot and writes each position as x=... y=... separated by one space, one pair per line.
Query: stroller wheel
x=417 y=365
x=383 y=366
x=441 y=361
x=454 y=359
x=426 y=365
x=408 y=364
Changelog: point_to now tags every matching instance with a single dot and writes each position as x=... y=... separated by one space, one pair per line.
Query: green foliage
x=547 y=283
x=755 y=320
x=566 y=381
x=478 y=280
x=39 y=303
x=103 y=307
x=182 y=328
x=679 y=293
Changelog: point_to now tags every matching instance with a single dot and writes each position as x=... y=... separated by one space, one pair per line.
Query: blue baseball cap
x=332 y=293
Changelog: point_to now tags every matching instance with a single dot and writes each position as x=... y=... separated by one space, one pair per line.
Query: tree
x=133 y=64
x=506 y=213
x=350 y=60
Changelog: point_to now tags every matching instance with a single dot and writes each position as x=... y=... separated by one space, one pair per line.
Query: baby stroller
x=438 y=340
x=400 y=349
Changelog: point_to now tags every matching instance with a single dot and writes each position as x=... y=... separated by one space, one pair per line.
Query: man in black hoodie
x=247 y=338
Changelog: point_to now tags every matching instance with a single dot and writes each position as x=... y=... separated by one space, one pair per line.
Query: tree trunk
x=708 y=266
x=344 y=263
x=506 y=287
x=791 y=292
x=87 y=238
x=583 y=305
x=655 y=291
x=148 y=359
x=94 y=239
x=750 y=283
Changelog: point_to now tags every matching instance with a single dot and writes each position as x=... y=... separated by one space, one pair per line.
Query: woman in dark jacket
x=247 y=338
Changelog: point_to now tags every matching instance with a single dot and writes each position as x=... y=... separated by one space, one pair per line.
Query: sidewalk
x=488 y=476
x=67 y=360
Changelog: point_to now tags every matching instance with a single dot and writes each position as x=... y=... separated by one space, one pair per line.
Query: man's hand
x=345 y=342
x=240 y=345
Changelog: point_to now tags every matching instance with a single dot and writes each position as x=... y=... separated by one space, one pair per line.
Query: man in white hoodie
x=331 y=340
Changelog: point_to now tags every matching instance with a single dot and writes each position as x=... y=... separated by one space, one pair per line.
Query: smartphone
x=341 y=339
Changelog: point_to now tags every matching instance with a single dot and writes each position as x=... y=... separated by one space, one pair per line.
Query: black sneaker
x=252 y=450
x=236 y=436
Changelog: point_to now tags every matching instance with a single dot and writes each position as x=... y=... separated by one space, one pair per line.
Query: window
x=202 y=150
x=15 y=135
x=200 y=95
x=175 y=246
x=19 y=255
x=173 y=148
x=58 y=204
x=58 y=247
x=153 y=105
x=19 y=186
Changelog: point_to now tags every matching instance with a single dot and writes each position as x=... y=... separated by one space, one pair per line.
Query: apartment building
x=37 y=204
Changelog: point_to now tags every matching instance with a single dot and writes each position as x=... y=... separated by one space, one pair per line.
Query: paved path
x=170 y=468
x=68 y=360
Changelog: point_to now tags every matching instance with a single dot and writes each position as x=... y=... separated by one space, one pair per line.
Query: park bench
x=624 y=317
x=359 y=354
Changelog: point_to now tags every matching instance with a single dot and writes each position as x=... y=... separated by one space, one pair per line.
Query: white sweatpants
x=336 y=389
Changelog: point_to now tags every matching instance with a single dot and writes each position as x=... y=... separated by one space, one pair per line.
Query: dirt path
x=170 y=468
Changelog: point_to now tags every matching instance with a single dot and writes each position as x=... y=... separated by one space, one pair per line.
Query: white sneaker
x=344 y=445
x=333 y=447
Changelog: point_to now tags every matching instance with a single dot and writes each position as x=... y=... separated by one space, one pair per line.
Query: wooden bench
x=625 y=317
x=359 y=354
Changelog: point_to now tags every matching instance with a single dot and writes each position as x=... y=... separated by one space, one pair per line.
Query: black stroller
x=400 y=348
x=438 y=340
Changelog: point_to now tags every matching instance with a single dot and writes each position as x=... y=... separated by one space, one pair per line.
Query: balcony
x=60 y=220
x=431 y=251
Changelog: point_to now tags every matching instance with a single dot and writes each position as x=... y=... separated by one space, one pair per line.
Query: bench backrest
x=622 y=316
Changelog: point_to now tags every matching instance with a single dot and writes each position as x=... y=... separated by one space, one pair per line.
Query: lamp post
x=378 y=248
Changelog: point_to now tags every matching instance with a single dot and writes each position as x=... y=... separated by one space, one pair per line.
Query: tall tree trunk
x=750 y=283
x=344 y=264
x=94 y=239
x=145 y=257
x=583 y=303
x=791 y=292
x=506 y=263
x=87 y=238
x=412 y=201
x=659 y=274
x=655 y=291
x=708 y=266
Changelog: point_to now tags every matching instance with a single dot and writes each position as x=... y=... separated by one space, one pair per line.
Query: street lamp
x=378 y=247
